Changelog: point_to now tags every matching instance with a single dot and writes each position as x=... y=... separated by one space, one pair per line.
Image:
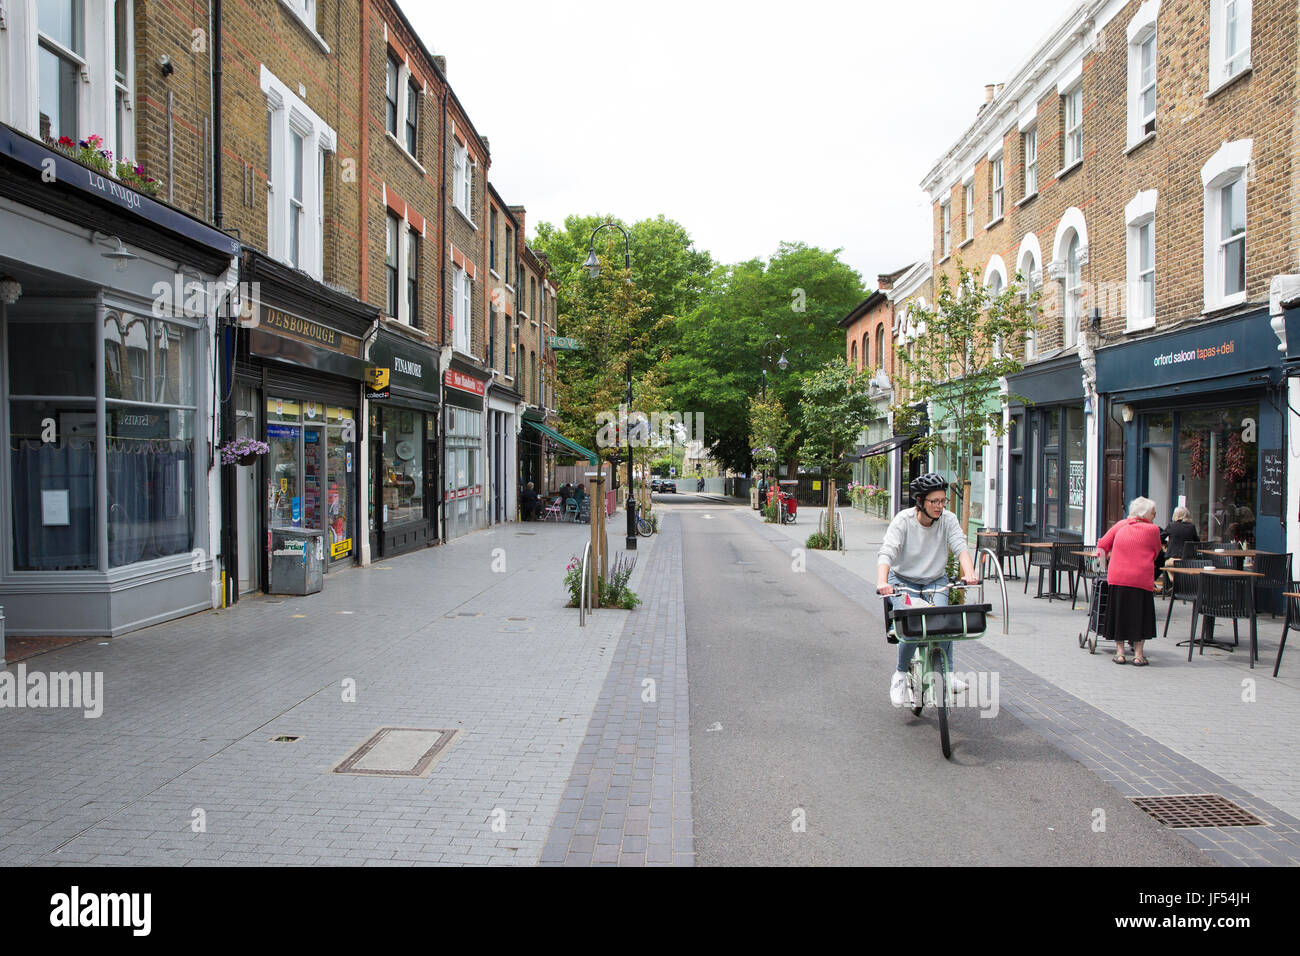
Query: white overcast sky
x=747 y=122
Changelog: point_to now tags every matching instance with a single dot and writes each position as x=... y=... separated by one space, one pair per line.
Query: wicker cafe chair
x=1224 y=595
x=1184 y=586
x=1292 y=623
x=1276 y=569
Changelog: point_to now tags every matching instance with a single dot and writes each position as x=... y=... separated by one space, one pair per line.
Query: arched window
x=880 y=345
x=866 y=351
x=853 y=357
x=1073 y=295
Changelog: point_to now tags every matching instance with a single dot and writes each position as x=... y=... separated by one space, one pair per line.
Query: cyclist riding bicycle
x=914 y=555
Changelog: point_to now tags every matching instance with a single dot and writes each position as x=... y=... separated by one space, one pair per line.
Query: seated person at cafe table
x=1128 y=552
x=530 y=503
x=1180 y=531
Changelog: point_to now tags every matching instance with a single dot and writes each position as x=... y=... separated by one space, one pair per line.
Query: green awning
x=572 y=445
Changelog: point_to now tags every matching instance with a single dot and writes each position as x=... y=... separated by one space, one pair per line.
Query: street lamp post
x=593 y=269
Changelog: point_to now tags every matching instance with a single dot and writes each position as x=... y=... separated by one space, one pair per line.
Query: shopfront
x=106 y=312
x=506 y=454
x=298 y=381
x=1047 y=452
x=403 y=420
x=1200 y=417
x=464 y=480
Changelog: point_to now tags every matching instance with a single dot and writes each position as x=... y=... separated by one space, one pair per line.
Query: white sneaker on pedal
x=898 y=690
x=956 y=685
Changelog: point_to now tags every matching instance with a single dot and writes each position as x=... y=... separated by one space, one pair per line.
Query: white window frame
x=1029 y=137
x=1225 y=69
x=304 y=11
x=288 y=111
x=969 y=199
x=1141 y=31
x=945 y=215
x=1139 y=214
x=461 y=299
x=462 y=196
x=1072 y=157
x=1033 y=275
x=997 y=188
x=1229 y=163
x=1072 y=292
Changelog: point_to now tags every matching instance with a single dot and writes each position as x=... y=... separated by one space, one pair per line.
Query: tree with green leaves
x=954 y=371
x=835 y=408
x=800 y=294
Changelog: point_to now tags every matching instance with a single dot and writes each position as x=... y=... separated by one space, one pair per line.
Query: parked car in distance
x=668 y=486
x=654 y=484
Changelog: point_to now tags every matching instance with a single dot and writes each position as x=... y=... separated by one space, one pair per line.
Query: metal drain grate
x=398 y=752
x=286 y=739
x=1197 y=810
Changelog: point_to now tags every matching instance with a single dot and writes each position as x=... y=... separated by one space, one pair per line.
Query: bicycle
x=932 y=626
x=644 y=527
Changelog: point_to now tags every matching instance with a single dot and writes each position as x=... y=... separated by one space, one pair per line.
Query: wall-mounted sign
x=463 y=382
x=54 y=508
x=305 y=330
x=562 y=343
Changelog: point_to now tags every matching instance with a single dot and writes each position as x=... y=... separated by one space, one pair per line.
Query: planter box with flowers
x=870 y=498
x=90 y=152
x=242 y=451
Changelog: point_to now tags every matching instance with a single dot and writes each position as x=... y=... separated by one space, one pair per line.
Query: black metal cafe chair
x=1276 y=569
x=1088 y=575
x=1225 y=596
x=1044 y=559
x=1292 y=622
x=1011 y=548
x=1183 y=587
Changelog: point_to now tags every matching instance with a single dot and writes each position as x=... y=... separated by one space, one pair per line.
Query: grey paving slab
x=638 y=725
x=191 y=707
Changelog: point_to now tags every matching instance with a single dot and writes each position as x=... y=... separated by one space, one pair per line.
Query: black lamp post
x=593 y=269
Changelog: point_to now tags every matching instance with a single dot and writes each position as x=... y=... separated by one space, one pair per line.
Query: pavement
x=1211 y=725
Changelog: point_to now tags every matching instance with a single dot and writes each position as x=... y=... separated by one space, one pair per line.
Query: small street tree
x=835 y=408
x=767 y=433
x=954 y=369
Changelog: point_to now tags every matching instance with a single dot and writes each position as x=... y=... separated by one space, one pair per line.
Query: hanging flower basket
x=242 y=451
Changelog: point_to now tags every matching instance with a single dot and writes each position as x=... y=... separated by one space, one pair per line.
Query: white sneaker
x=898 y=690
x=957 y=685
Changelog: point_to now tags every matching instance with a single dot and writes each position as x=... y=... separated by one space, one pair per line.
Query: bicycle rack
x=838 y=537
x=583 y=595
x=1001 y=583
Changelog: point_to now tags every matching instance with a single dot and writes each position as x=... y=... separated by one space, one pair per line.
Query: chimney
x=487 y=147
x=440 y=62
x=988 y=93
x=520 y=217
x=885 y=282
x=998 y=91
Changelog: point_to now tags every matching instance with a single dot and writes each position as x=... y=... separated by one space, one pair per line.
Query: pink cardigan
x=1135 y=544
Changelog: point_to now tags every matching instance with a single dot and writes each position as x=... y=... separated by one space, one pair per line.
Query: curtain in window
x=40 y=466
x=149 y=503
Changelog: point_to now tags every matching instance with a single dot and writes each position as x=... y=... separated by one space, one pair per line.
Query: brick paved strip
x=628 y=800
x=1104 y=744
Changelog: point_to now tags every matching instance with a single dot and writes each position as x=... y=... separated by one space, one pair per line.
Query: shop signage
x=1272 y=481
x=340 y=548
x=458 y=493
x=404 y=364
x=1077 y=481
x=282 y=432
x=1211 y=351
x=563 y=344
x=305 y=330
x=463 y=382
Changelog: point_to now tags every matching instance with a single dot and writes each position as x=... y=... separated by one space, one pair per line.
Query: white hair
x=1141 y=508
x=1182 y=514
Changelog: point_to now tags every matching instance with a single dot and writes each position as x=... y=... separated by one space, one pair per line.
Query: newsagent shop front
x=403 y=418
x=298 y=388
x=1196 y=418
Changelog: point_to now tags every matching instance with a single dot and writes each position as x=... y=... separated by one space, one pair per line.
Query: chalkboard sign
x=1272 y=481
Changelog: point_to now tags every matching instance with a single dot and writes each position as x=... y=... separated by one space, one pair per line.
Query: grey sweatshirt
x=918 y=553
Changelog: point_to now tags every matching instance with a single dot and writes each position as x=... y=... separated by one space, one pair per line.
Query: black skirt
x=1130 y=614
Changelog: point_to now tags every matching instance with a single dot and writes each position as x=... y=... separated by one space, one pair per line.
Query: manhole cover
x=286 y=739
x=517 y=629
x=398 y=752
x=1197 y=810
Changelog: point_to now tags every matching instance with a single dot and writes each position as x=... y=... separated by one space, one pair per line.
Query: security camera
x=165 y=64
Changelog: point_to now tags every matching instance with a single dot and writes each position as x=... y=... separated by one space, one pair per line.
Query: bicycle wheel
x=644 y=528
x=939 y=684
x=916 y=683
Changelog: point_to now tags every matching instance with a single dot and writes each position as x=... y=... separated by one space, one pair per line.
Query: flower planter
x=246 y=460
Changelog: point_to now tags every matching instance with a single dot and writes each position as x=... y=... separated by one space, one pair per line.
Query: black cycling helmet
x=925 y=484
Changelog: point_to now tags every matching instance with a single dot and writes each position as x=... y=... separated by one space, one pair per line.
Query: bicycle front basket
x=919 y=623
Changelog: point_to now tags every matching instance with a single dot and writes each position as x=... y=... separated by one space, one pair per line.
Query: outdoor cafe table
x=1236 y=555
x=1053 y=572
x=1207 y=623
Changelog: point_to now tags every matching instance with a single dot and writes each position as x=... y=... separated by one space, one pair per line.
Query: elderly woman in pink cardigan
x=1129 y=551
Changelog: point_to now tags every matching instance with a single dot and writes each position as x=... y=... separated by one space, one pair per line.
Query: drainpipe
x=442 y=307
x=218 y=213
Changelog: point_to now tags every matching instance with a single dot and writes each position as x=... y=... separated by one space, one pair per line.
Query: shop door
x=1016 y=493
x=249 y=545
x=1114 y=490
x=340 y=507
x=313 y=474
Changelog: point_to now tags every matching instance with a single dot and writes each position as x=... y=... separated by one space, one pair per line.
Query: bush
x=613 y=593
x=817 y=541
x=769 y=512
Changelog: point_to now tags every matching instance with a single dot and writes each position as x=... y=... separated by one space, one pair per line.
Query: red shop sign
x=465 y=383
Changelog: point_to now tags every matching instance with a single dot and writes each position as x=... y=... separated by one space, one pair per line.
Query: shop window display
x=1217 y=471
x=403 y=464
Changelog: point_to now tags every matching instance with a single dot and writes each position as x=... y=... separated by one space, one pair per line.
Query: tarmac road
x=791 y=723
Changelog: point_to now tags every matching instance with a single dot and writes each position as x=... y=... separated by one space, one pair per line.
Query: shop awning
x=881 y=446
x=571 y=445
